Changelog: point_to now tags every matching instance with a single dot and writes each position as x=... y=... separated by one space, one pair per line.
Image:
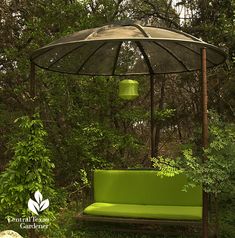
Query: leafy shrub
x=29 y=170
x=218 y=169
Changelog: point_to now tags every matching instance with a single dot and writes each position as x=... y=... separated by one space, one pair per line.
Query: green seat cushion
x=145 y=211
x=144 y=187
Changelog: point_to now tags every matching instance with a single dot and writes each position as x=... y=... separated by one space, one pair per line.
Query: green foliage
x=217 y=171
x=227 y=216
x=164 y=115
x=166 y=166
x=136 y=115
x=226 y=202
x=29 y=170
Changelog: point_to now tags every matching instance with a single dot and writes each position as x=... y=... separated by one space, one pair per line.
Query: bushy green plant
x=29 y=170
x=227 y=218
x=216 y=172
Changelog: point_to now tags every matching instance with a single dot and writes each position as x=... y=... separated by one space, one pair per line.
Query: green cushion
x=145 y=211
x=143 y=187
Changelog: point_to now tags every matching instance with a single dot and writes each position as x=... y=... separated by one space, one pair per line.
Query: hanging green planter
x=128 y=89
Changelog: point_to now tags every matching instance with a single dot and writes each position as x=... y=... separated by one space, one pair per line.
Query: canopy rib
x=172 y=54
x=183 y=33
x=146 y=58
x=197 y=53
x=89 y=56
x=141 y=29
x=116 y=57
x=41 y=53
x=97 y=31
x=64 y=55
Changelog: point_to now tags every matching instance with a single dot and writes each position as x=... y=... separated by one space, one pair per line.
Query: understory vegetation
x=52 y=139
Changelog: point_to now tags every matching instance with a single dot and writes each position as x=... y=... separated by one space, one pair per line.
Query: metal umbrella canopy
x=127 y=50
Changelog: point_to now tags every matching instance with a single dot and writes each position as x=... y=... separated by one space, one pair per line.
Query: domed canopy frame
x=125 y=50
x=122 y=50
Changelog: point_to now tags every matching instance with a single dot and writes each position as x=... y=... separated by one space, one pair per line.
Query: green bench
x=142 y=196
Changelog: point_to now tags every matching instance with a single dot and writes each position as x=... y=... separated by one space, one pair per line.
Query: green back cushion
x=143 y=187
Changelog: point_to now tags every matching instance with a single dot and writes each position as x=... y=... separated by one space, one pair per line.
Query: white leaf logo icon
x=44 y=204
x=33 y=206
x=39 y=205
x=38 y=197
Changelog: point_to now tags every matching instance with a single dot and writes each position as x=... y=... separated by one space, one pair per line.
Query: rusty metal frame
x=205 y=132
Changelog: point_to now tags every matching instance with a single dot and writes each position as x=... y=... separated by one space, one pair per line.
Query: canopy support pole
x=32 y=80
x=153 y=149
x=204 y=134
x=32 y=86
x=151 y=73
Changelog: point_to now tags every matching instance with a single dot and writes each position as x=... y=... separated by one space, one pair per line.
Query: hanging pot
x=128 y=89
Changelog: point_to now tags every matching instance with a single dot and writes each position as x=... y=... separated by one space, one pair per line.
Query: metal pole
x=153 y=149
x=32 y=81
x=204 y=135
x=151 y=73
x=32 y=88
